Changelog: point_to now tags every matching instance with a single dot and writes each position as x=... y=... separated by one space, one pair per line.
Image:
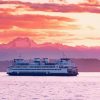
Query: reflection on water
x=86 y=86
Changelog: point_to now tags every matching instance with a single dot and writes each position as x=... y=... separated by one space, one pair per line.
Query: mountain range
x=27 y=48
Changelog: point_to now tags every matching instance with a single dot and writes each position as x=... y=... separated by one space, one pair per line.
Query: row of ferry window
x=40 y=67
x=37 y=69
x=34 y=67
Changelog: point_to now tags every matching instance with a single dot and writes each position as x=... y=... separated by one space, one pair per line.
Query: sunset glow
x=75 y=1
x=72 y=23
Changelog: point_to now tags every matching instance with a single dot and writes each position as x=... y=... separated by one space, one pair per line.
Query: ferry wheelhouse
x=43 y=67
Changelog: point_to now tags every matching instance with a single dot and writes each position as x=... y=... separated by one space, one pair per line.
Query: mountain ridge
x=20 y=42
x=29 y=49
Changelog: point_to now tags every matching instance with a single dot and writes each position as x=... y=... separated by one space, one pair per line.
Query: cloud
x=38 y=37
x=93 y=38
x=93 y=1
x=65 y=8
x=92 y=6
x=49 y=22
x=34 y=21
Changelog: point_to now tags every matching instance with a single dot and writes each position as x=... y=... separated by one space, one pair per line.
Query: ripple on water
x=49 y=88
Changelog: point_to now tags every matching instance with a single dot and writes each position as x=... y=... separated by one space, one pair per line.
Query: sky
x=69 y=22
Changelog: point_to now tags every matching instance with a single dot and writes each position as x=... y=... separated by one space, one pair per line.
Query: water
x=86 y=86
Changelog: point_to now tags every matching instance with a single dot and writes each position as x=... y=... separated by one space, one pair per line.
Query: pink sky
x=72 y=22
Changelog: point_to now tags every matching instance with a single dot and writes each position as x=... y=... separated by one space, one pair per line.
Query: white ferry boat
x=43 y=67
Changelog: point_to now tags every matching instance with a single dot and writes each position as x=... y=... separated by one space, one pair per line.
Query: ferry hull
x=42 y=74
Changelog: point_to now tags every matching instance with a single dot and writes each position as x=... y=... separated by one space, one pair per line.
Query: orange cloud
x=93 y=1
x=34 y=21
x=38 y=37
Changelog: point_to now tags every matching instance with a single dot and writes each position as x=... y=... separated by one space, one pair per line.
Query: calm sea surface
x=86 y=86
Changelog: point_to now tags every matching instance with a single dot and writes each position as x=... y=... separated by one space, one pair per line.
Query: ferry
x=43 y=67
